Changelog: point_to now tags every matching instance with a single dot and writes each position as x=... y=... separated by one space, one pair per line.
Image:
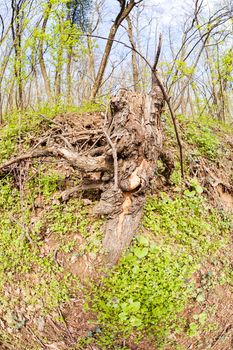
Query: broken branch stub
x=135 y=129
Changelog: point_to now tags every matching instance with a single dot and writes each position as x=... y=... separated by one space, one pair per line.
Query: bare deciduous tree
x=125 y=9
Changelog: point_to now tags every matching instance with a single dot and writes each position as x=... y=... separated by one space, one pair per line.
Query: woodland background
x=116 y=174
x=51 y=52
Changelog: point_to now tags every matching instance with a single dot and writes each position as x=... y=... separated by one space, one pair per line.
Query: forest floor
x=172 y=289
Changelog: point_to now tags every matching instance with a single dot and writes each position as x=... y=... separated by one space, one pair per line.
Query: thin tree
x=16 y=30
x=125 y=9
x=41 y=51
x=134 y=57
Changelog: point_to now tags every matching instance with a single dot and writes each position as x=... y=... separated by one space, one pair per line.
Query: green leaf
x=153 y=248
x=136 y=269
x=135 y=306
x=193 y=330
x=123 y=316
x=140 y=252
x=188 y=193
x=200 y=298
x=202 y=318
x=143 y=241
x=131 y=306
x=199 y=189
x=135 y=321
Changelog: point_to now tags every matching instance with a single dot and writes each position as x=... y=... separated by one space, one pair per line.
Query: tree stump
x=134 y=130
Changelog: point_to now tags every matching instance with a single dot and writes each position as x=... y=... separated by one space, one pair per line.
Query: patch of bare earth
x=219 y=308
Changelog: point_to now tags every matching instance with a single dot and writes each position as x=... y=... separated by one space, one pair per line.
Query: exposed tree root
x=116 y=155
x=83 y=163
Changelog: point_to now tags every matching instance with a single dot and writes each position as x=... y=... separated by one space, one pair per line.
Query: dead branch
x=157 y=81
x=28 y=328
x=167 y=100
x=28 y=155
x=157 y=53
x=84 y=163
x=68 y=144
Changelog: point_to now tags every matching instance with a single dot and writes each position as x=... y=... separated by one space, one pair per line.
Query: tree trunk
x=16 y=29
x=57 y=82
x=124 y=12
x=68 y=76
x=135 y=129
x=41 y=53
x=134 y=58
x=2 y=72
x=59 y=65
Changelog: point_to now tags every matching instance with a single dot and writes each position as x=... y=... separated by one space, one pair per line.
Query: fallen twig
x=51 y=121
x=84 y=132
x=65 y=195
x=66 y=325
x=26 y=229
x=25 y=156
x=68 y=144
x=36 y=337
x=217 y=180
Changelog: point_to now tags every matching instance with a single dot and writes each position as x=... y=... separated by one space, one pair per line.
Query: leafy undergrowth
x=40 y=237
x=32 y=281
x=143 y=301
x=205 y=135
x=145 y=294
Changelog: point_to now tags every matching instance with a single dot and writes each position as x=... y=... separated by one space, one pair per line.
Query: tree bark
x=16 y=29
x=136 y=131
x=41 y=53
x=59 y=66
x=2 y=72
x=57 y=82
x=68 y=76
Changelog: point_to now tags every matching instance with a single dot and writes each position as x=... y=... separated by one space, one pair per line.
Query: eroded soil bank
x=76 y=191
